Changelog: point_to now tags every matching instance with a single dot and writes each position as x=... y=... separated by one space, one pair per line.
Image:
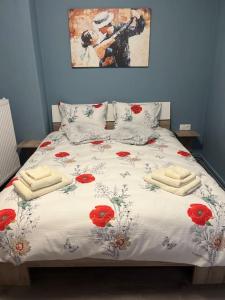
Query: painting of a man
x=109 y=38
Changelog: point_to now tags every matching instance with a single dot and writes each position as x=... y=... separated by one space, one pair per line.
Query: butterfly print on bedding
x=168 y=244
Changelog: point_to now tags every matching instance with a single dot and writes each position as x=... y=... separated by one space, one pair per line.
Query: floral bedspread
x=110 y=212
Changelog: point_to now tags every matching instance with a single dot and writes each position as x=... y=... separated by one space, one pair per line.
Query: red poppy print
x=97 y=142
x=6 y=217
x=123 y=153
x=151 y=141
x=101 y=215
x=62 y=154
x=199 y=213
x=11 y=182
x=45 y=144
x=85 y=178
x=98 y=105
x=136 y=108
x=184 y=153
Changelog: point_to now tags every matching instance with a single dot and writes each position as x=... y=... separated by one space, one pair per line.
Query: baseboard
x=210 y=169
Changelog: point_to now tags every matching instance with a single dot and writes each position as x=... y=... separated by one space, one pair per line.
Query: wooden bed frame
x=19 y=275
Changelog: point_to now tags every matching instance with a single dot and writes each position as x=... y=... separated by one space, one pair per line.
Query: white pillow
x=146 y=114
x=81 y=133
x=96 y=113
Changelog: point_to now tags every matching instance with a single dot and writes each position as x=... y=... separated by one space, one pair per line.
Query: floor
x=113 y=283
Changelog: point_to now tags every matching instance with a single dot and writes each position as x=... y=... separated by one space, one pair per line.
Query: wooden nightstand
x=26 y=149
x=187 y=137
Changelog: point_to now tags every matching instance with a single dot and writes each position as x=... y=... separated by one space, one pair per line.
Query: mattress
x=110 y=212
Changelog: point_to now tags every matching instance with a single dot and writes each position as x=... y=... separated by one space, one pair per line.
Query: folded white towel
x=39 y=172
x=181 y=191
x=27 y=194
x=177 y=172
x=160 y=175
x=34 y=185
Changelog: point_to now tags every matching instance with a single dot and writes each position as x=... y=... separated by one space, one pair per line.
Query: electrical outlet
x=185 y=126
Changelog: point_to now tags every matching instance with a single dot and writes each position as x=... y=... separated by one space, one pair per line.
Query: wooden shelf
x=187 y=137
x=26 y=149
x=187 y=133
x=28 y=144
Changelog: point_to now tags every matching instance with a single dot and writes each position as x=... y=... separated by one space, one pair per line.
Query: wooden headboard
x=164 y=118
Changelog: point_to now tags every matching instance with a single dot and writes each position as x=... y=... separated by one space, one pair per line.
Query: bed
x=143 y=225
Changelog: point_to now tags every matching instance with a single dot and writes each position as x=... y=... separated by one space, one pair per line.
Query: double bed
x=140 y=224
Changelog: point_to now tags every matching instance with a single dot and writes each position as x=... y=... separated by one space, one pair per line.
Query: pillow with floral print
x=95 y=113
x=81 y=133
x=146 y=114
x=133 y=134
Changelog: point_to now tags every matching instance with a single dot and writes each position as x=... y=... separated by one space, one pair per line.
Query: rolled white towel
x=34 y=185
x=177 y=172
x=39 y=172
x=160 y=175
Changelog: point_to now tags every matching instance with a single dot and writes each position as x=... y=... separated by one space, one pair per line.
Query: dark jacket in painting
x=118 y=54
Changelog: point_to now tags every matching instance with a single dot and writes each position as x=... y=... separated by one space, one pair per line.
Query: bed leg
x=14 y=276
x=211 y=275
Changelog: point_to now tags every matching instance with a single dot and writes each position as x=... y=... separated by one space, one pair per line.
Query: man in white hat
x=118 y=54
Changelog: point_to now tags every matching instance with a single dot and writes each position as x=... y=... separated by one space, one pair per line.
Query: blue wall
x=182 y=47
x=187 y=66
x=214 y=140
x=19 y=79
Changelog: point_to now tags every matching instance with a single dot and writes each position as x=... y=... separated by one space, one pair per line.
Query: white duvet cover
x=110 y=212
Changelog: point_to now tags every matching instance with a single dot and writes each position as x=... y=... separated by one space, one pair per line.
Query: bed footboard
x=14 y=276
x=214 y=275
x=19 y=276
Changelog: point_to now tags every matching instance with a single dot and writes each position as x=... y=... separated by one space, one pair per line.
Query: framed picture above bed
x=109 y=37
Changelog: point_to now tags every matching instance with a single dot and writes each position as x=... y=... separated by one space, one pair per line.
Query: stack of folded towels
x=174 y=179
x=37 y=182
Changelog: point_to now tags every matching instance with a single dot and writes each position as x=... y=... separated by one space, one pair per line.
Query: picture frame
x=109 y=37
